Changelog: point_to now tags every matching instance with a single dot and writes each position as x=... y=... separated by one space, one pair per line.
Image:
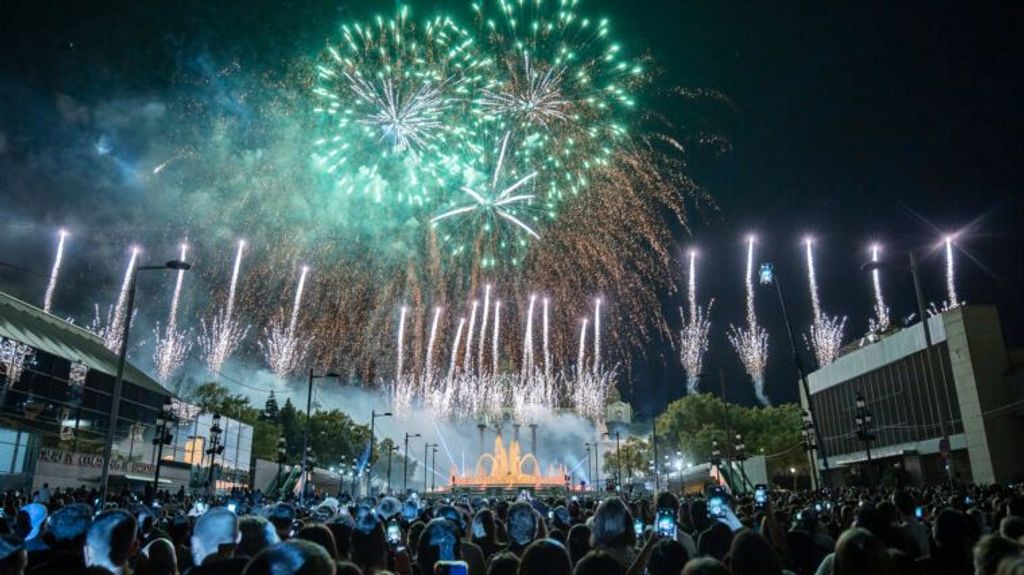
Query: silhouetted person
x=65 y=534
x=111 y=541
x=294 y=557
x=256 y=535
x=215 y=538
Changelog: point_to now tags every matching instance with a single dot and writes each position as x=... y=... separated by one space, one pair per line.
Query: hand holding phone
x=665 y=523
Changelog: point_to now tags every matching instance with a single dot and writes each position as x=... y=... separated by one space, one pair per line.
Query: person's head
x=157 y=558
x=715 y=541
x=667 y=558
x=504 y=563
x=1012 y=566
x=545 y=556
x=599 y=562
x=1012 y=528
x=295 y=557
x=282 y=516
x=68 y=525
x=990 y=552
x=256 y=535
x=1015 y=506
x=904 y=503
x=483 y=525
x=578 y=542
x=319 y=533
x=522 y=524
x=13 y=557
x=341 y=527
x=438 y=542
x=698 y=513
x=215 y=534
x=752 y=554
x=368 y=544
x=612 y=525
x=346 y=568
x=859 y=551
x=705 y=566
x=30 y=520
x=667 y=500
x=111 y=540
x=953 y=533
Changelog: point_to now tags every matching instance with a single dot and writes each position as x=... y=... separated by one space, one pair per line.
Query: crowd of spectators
x=964 y=530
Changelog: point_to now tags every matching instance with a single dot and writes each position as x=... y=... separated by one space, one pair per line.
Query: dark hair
x=751 y=553
x=504 y=563
x=599 y=562
x=521 y=524
x=705 y=566
x=439 y=542
x=859 y=551
x=715 y=541
x=903 y=501
x=612 y=525
x=1012 y=527
x=319 y=533
x=990 y=551
x=111 y=536
x=295 y=557
x=667 y=500
x=256 y=535
x=579 y=542
x=348 y=568
x=342 y=532
x=68 y=525
x=368 y=543
x=545 y=556
x=953 y=531
x=667 y=557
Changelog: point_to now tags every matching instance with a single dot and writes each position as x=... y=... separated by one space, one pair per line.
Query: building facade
x=952 y=413
x=56 y=381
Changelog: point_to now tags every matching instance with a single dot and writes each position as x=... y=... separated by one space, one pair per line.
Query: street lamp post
x=391 y=450
x=305 y=430
x=369 y=465
x=426 y=448
x=618 y=460
x=405 y=468
x=587 y=445
x=433 y=466
x=944 y=446
x=807 y=443
x=122 y=356
x=164 y=419
x=740 y=455
x=864 y=423
x=768 y=276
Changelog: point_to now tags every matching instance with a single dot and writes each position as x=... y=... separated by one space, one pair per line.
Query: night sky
x=854 y=122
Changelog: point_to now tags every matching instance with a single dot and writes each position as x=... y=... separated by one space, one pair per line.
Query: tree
x=635 y=453
x=270 y=409
x=693 y=422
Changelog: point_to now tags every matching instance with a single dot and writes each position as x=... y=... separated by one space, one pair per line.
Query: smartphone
x=760 y=495
x=638 y=527
x=551 y=515
x=394 y=532
x=451 y=568
x=665 y=523
x=919 y=512
x=232 y=507
x=968 y=500
x=817 y=507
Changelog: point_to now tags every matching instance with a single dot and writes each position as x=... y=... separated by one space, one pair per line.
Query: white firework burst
x=283 y=349
x=536 y=98
x=219 y=339
x=403 y=120
x=826 y=333
x=751 y=343
x=495 y=203
x=694 y=338
x=881 y=322
x=172 y=344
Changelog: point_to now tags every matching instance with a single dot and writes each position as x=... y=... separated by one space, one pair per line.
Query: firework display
x=172 y=343
x=110 y=326
x=220 y=337
x=751 y=342
x=826 y=333
x=51 y=286
x=694 y=337
x=881 y=322
x=283 y=347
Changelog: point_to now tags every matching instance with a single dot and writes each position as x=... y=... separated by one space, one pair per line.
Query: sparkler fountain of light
x=826 y=333
x=172 y=344
x=483 y=330
x=112 y=330
x=51 y=287
x=751 y=343
x=467 y=361
x=221 y=336
x=281 y=347
x=581 y=355
x=527 y=364
x=597 y=336
x=496 y=338
x=547 y=349
x=402 y=389
x=880 y=323
x=952 y=299
x=694 y=337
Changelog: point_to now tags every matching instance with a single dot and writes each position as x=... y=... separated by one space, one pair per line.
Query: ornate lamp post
x=213 y=451
x=864 y=423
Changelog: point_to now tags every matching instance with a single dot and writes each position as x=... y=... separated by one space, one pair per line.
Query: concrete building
x=966 y=389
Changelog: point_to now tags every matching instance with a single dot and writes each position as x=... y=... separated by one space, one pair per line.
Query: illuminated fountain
x=510 y=469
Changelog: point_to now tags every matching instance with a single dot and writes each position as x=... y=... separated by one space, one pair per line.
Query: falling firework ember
x=111 y=326
x=881 y=322
x=172 y=344
x=694 y=337
x=826 y=333
x=221 y=335
x=751 y=343
x=51 y=286
x=282 y=346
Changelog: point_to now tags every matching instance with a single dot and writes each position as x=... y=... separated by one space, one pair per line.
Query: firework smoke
x=221 y=336
x=282 y=347
x=881 y=322
x=172 y=344
x=751 y=343
x=826 y=333
x=694 y=337
x=51 y=286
